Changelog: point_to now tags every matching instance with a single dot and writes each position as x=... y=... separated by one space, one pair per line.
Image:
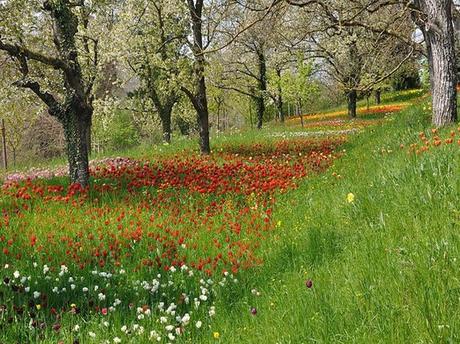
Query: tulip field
x=341 y=231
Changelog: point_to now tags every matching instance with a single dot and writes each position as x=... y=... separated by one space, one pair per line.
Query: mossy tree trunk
x=77 y=123
x=75 y=110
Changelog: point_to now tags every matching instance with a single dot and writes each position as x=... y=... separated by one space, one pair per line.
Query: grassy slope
x=384 y=268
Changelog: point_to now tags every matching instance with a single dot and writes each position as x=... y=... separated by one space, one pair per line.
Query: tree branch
x=54 y=108
x=18 y=51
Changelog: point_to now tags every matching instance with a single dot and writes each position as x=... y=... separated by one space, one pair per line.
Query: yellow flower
x=38 y=307
x=278 y=224
x=216 y=335
x=73 y=305
x=350 y=198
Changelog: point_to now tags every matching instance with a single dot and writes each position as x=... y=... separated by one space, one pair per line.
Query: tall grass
x=384 y=268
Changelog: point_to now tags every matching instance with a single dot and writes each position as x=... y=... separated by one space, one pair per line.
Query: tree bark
x=378 y=96
x=435 y=21
x=279 y=98
x=166 y=125
x=89 y=136
x=203 y=122
x=260 y=103
x=199 y=97
x=77 y=123
x=352 y=97
x=262 y=87
x=298 y=111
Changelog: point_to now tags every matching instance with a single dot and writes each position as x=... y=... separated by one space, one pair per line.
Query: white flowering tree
x=53 y=47
x=150 y=43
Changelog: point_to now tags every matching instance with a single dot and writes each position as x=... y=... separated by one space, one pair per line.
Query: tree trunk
x=199 y=99
x=298 y=111
x=76 y=123
x=203 y=122
x=279 y=99
x=260 y=102
x=250 y=114
x=166 y=127
x=5 y=155
x=88 y=137
x=262 y=87
x=352 y=97
x=437 y=28
x=378 y=96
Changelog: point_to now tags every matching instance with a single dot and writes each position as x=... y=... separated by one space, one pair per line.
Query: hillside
x=340 y=231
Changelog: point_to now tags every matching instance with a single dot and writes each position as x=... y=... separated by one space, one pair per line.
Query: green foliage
x=113 y=127
x=407 y=77
x=298 y=86
x=122 y=133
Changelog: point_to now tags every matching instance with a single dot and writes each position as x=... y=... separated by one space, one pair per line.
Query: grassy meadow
x=341 y=231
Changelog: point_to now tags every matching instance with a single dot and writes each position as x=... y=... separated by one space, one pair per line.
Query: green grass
x=384 y=268
x=387 y=98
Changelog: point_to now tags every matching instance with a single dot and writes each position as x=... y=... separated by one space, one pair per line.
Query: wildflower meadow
x=285 y=238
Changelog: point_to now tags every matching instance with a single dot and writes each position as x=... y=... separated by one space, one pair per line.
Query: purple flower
x=309 y=283
x=253 y=310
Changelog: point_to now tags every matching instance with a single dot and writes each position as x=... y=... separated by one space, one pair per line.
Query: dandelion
x=216 y=335
x=350 y=198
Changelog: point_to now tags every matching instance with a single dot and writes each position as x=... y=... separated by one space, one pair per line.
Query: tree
x=247 y=65
x=198 y=95
x=434 y=18
x=19 y=116
x=70 y=101
x=357 y=45
x=245 y=72
x=154 y=52
x=299 y=87
x=210 y=20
